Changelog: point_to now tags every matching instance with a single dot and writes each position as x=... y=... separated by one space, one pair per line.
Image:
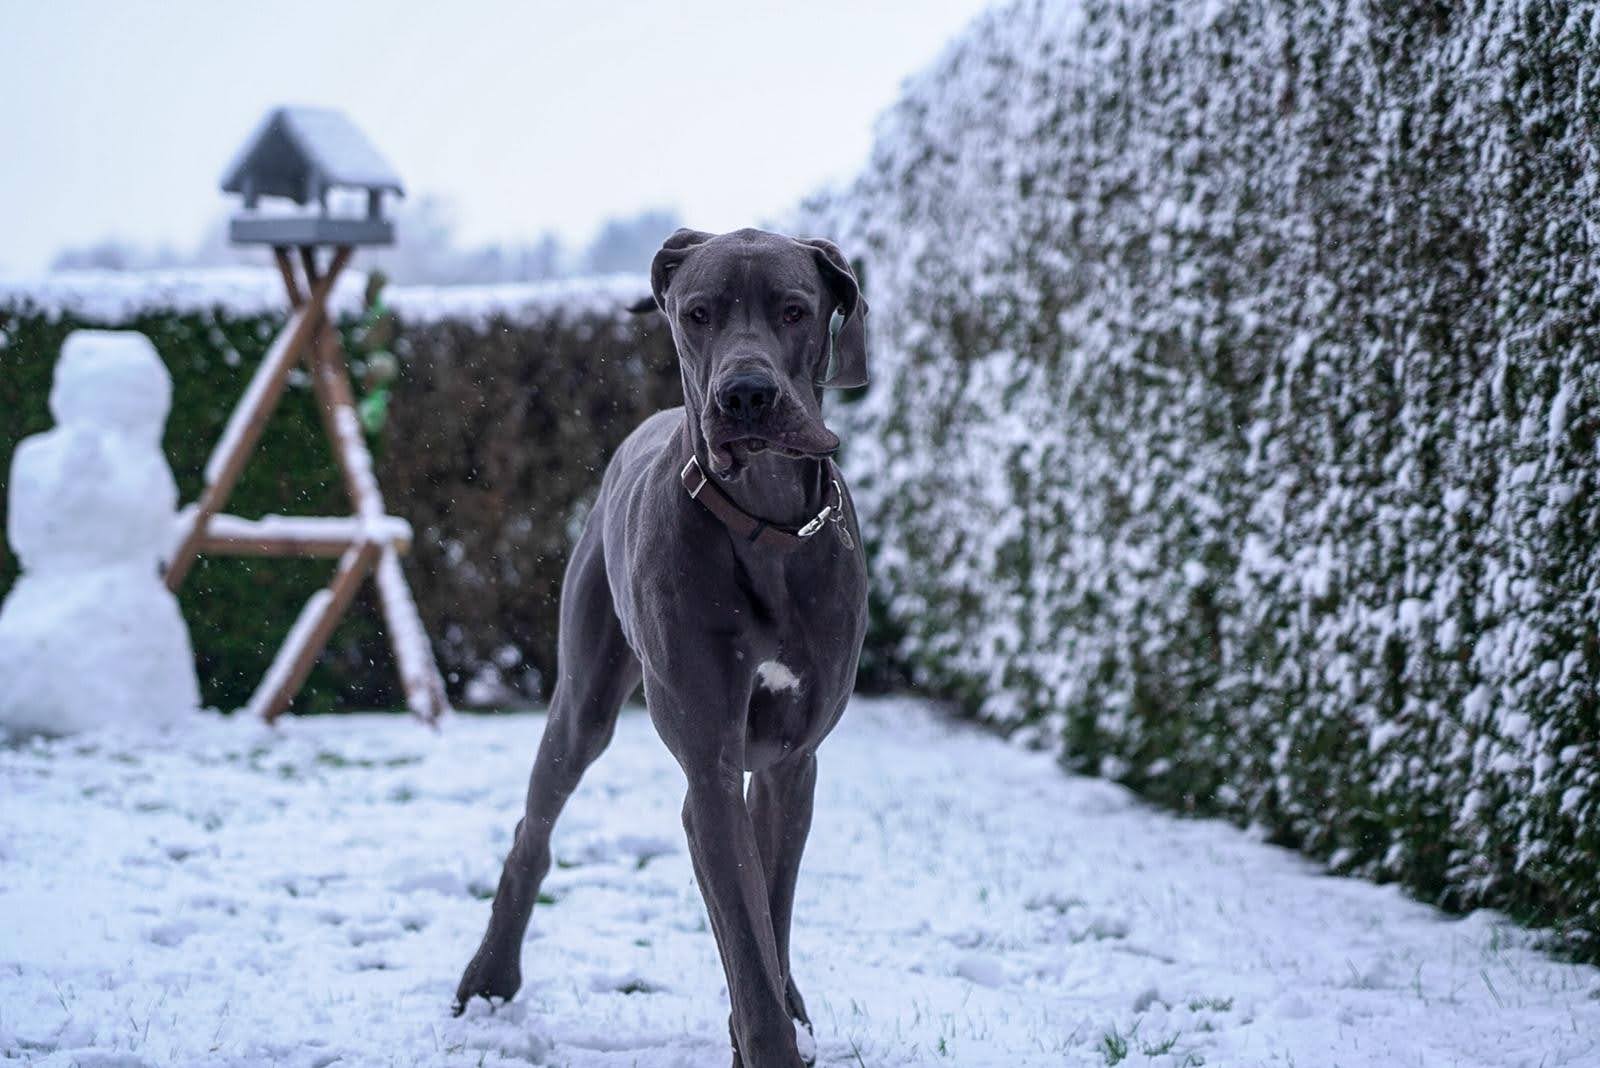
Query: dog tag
x=844 y=531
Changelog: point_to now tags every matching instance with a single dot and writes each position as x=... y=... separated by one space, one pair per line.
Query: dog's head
x=752 y=314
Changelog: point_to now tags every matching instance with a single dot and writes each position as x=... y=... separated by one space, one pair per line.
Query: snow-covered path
x=308 y=896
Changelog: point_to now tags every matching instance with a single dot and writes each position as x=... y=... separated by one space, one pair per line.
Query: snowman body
x=89 y=634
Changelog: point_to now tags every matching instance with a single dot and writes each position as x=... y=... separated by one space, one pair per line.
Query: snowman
x=89 y=635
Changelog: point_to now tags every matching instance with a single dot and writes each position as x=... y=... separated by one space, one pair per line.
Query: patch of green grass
x=328 y=758
x=1114 y=1045
x=636 y=986
x=1210 y=1004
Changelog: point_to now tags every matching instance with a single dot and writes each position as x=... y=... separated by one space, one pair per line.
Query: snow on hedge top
x=117 y=297
x=519 y=302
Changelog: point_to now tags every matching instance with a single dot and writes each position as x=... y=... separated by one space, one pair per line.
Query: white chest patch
x=775 y=676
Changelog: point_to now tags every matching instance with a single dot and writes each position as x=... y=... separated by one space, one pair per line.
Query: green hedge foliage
x=1234 y=428
x=495 y=426
x=499 y=432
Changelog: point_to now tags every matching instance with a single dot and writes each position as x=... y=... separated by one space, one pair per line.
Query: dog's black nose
x=747 y=396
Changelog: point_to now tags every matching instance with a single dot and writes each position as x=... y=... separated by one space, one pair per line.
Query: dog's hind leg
x=597 y=672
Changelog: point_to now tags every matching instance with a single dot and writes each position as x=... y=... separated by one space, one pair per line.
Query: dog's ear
x=674 y=250
x=849 y=358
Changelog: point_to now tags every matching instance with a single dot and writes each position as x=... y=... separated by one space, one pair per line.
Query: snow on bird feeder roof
x=301 y=154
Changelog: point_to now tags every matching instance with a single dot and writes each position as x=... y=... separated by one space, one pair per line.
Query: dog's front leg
x=700 y=705
x=780 y=802
x=727 y=863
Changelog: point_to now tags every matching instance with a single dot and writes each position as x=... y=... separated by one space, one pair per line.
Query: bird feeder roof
x=294 y=144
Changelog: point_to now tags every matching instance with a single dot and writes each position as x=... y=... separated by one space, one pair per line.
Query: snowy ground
x=308 y=896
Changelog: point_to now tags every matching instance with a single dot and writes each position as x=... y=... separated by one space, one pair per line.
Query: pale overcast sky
x=117 y=116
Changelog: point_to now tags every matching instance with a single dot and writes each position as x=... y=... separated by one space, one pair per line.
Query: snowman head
x=112 y=380
x=96 y=490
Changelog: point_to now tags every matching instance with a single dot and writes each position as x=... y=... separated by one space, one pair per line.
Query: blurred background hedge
x=498 y=433
x=1234 y=430
x=499 y=423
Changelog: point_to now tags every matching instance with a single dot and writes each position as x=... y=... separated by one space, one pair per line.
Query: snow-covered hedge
x=1234 y=425
x=508 y=401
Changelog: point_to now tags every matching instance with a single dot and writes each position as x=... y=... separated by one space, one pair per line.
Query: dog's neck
x=782 y=490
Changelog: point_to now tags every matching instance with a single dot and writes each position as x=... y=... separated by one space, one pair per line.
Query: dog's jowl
x=721 y=568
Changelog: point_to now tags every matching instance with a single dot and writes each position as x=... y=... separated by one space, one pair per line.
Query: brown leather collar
x=759 y=531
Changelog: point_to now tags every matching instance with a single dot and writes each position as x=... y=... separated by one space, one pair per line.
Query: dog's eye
x=793 y=313
x=699 y=315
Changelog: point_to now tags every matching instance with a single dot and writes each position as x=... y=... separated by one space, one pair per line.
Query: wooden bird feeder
x=302 y=155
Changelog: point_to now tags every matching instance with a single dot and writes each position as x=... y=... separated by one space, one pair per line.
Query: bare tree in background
x=628 y=243
x=112 y=254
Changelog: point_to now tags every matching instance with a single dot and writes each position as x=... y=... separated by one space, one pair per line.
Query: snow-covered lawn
x=308 y=896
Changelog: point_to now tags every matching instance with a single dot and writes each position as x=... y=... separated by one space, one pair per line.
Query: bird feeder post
x=302 y=154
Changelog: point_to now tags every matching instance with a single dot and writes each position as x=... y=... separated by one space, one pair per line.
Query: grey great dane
x=721 y=566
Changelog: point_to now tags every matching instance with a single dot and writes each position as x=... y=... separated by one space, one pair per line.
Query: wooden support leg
x=343 y=422
x=310 y=634
x=245 y=425
x=419 y=673
x=290 y=282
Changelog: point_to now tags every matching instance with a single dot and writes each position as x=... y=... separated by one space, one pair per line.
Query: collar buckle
x=816 y=523
x=830 y=513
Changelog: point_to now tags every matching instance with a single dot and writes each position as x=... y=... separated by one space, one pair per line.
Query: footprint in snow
x=172 y=933
x=625 y=983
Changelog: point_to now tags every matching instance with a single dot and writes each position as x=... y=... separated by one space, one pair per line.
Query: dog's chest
x=794 y=701
x=808 y=606
x=808 y=628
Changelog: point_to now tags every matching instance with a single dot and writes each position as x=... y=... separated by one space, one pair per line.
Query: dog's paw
x=490 y=976
x=806 y=1042
x=804 y=1039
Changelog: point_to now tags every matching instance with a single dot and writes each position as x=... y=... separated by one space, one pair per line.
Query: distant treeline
x=429 y=250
